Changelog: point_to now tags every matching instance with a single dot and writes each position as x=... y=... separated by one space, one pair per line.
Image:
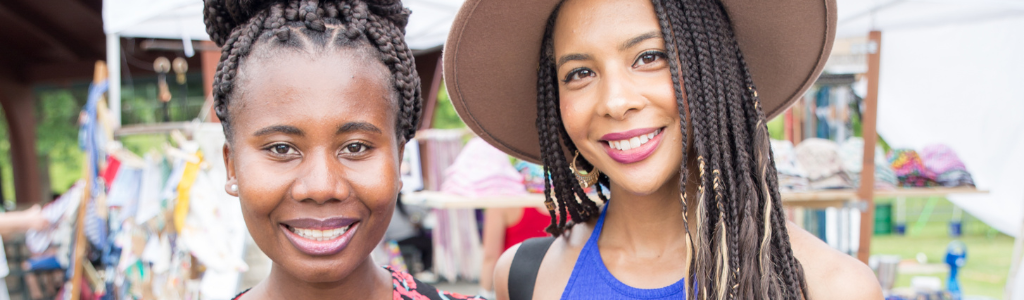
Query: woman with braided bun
x=317 y=100
x=654 y=103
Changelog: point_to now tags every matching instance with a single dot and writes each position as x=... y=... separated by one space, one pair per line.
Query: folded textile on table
x=821 y=161
x=910 y=169
x=791 y=176
x=942 y=161
x=533 y=176
x=852 y=152
x=482 y=170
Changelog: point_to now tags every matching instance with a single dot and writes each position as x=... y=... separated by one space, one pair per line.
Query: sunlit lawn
x=989 y=253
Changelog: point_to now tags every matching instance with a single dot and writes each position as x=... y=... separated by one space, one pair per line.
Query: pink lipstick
x=320 y=237
x=632 y=146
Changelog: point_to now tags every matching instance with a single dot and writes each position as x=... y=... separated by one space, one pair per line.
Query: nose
x=322 y=179
x=619 y=95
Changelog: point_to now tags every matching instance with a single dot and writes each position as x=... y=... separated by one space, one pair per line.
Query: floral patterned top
x=406 y=287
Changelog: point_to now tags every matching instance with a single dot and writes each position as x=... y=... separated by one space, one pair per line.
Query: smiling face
x=315 y=156
x=615 y=92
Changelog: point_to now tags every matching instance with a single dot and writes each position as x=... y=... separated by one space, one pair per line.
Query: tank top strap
x=591 y=279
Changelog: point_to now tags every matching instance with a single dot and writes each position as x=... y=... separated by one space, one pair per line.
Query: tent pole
x=867 y=173
x=114 y=68
x=1018 y=247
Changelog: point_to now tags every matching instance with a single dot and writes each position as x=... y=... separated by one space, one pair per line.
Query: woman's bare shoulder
x=831 y=274
x=555 y=268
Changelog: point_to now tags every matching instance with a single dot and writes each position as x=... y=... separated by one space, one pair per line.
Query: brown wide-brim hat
x=492 y=53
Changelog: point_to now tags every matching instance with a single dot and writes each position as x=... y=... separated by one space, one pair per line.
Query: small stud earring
x=234 y=188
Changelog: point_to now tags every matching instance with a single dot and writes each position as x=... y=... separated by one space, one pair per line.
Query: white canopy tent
x=947 y=72
x=183 y=19
x=950 y=73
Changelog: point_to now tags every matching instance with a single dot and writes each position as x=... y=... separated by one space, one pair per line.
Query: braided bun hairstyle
x=239 y=26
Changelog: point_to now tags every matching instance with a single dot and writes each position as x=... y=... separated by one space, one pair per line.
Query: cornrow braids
x=740 y=248
x=241 y=27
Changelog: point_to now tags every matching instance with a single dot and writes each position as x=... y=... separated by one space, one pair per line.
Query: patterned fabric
x=910 y=169
x=852 y=152
x=406 y=287
x=942 y=160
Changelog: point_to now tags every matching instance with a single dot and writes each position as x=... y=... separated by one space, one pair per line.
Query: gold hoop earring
x=586 y=179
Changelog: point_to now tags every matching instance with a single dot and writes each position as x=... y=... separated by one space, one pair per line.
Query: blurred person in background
x=17 y=222
x=504 y=228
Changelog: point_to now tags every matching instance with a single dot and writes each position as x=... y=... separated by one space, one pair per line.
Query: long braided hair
x=741 y=247
x=240 y=26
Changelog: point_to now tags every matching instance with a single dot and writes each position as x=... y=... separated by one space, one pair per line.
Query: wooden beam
x=17 y=101
x=30 y=40
x=72 y=23
x=209 y=53
x=870 y=134
x=59 y=72
x=428 y=65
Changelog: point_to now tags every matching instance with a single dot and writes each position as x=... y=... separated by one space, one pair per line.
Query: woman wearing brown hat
x=655 y=104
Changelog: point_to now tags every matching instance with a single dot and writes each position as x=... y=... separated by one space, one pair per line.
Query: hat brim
x=491 y=59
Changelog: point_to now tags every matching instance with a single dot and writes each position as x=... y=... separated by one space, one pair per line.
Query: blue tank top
x=590 y=278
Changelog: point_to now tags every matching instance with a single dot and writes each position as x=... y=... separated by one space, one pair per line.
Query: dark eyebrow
x=358 y=126
x=640 y=38
x=285 y=129
x=571 y=57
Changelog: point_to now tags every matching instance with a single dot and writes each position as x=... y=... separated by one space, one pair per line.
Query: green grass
x=988 y=252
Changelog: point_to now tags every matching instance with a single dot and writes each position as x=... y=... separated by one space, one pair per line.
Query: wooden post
x=867 y=175
x=210 y=59
x=17 y=100
x=81 y=243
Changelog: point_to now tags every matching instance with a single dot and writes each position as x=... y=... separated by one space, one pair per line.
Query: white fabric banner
x=960 y=85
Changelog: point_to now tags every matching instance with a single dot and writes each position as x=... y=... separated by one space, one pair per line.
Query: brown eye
x=578 y=74
x=355 y=148
x=280 y=149
x=647 y=58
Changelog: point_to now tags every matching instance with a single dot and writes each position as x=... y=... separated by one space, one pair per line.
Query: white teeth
x=319 y=235
x=634 y=142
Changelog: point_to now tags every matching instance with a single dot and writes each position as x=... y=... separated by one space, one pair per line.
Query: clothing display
x=910 y=169
x=821 y=161
x=533 y=175
x=438 y=148
x=852 y=152
x=482 y=170
x=159 y=227
x=942 y=161
x=791 y=176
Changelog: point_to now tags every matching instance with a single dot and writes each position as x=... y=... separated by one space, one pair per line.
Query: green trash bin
x=883 y=219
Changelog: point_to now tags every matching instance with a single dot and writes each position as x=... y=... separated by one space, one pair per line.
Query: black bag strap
x=522 y=275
